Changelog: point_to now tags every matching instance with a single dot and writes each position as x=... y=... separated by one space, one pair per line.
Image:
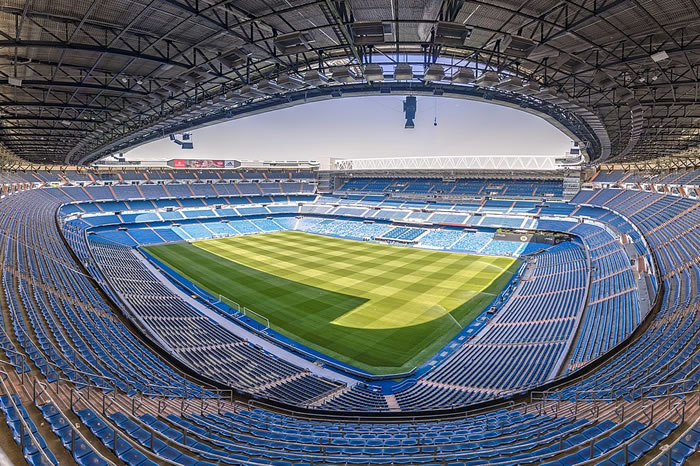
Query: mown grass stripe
x=380 y=308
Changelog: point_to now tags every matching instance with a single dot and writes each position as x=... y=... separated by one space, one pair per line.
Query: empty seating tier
x=89 y=382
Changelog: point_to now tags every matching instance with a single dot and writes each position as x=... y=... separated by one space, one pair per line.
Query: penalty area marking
x=455 y=320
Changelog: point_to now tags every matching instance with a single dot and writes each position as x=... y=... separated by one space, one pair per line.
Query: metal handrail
x=74 y=429
x=77 y=397
x=427 y=456
x=25 y=428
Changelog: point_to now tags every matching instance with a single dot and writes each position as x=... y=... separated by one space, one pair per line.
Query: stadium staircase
x=463 y=388
x=277 y=382
x=88 y=193
x=328 y=396
x=392 y=403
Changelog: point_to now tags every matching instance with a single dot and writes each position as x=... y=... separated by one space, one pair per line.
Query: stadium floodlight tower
x=409 y=108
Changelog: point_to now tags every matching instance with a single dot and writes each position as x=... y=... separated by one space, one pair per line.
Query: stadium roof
x=80 y=79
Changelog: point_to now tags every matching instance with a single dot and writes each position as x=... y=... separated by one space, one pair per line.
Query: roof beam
x=223 y=26
x=344 y=31
x=40 y=84
x=46 y=118
x=57 y=105
x=42 y=128
x=76 y=47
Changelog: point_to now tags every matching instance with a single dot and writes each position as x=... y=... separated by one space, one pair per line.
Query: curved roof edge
x=577 y=122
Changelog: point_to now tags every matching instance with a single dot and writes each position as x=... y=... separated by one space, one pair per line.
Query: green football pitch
x=383 y=309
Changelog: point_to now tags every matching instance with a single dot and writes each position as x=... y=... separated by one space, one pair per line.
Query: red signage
x=206 y=163
x=189 y=163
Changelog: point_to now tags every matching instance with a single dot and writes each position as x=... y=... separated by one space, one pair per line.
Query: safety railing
x=25 y=430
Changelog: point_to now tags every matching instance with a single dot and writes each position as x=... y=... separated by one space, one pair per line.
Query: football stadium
x=438 y=309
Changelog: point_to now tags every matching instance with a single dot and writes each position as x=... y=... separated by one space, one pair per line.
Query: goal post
x=243 y=311
x=229 y=302
x=260 y=318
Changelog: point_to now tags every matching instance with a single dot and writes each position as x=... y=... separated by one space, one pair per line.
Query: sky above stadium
x=369 y=127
